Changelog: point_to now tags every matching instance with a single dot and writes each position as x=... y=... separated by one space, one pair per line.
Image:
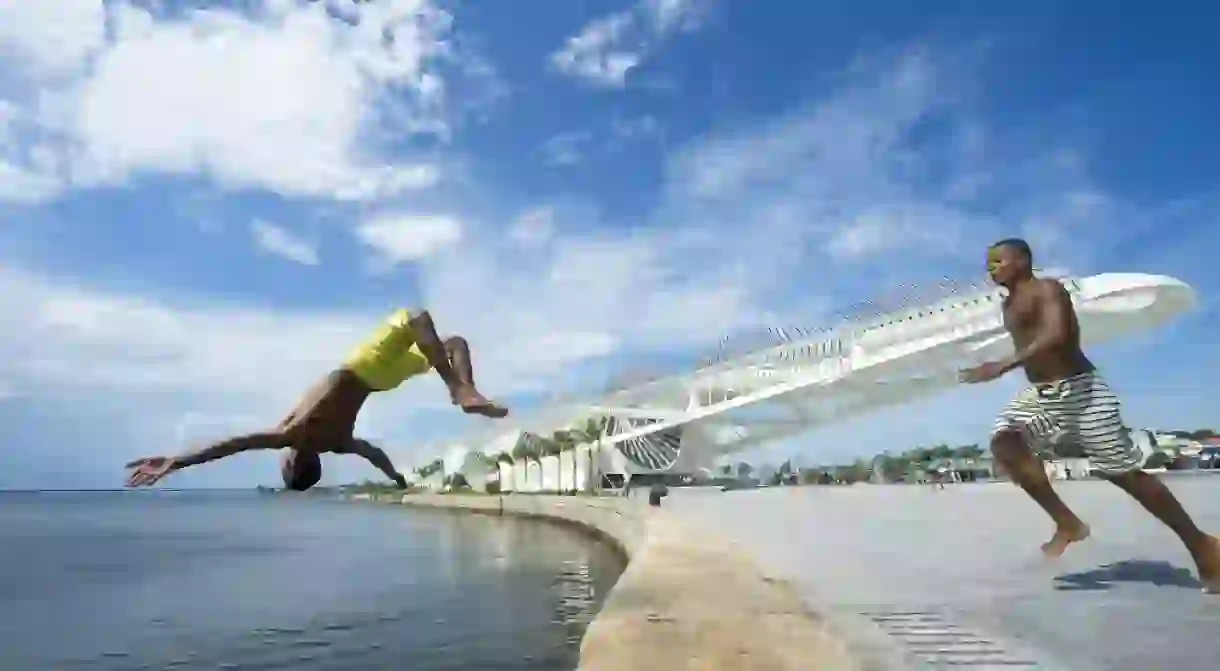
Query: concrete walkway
x=954 y=578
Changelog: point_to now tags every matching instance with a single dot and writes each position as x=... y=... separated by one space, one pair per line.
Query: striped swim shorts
x=1078 y=410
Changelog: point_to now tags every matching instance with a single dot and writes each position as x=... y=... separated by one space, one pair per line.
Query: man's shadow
x=1158 y=573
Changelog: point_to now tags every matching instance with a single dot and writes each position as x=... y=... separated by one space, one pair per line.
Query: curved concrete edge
x=687 y=599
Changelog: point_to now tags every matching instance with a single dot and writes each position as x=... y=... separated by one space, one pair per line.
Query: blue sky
x=204 y=205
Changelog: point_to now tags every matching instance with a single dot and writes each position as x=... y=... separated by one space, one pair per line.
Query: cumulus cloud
x=52 y=39
x=27 y=173
x=286 y=98
x=283 y=243
x=607 y=48
x=403 y=238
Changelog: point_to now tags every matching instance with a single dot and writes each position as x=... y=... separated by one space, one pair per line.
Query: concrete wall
x=687 y=600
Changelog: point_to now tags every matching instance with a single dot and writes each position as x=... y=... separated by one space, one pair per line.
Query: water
x=184 y=581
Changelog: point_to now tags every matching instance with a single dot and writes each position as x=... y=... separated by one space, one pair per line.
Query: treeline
x=1197 y=434
x=891 y=466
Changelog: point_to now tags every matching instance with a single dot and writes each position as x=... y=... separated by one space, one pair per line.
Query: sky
x=205 y=205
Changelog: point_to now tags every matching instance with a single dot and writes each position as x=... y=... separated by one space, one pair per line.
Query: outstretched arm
x=1055 y=306
x=147 y=471
x=377 y=457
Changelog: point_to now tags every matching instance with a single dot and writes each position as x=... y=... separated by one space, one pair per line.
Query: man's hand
x=147 y=471
x=400 y=481
x=987 y=372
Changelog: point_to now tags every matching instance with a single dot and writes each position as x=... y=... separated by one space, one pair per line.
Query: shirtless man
x=1067 y=398
x=406 y=345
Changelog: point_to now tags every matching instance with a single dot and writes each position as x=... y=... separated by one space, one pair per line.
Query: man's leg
x=1026 y=470
x=1111 y=451
x=463 y=369
x=1157 y=499
x=433 y=349
x=461 y=387
x=459 y=359
x=1023 y=422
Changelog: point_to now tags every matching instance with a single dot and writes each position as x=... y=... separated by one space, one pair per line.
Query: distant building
x=1068 y=468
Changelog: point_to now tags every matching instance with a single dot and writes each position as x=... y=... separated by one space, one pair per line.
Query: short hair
x=1016 y=244
x=301 y=470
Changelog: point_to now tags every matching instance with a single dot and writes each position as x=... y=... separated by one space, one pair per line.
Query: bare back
x=1027 y=311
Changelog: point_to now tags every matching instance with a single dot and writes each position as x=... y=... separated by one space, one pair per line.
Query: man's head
x=300 y=469
x=1009 y=261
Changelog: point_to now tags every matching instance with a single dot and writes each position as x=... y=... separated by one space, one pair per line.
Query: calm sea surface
x=149 y=580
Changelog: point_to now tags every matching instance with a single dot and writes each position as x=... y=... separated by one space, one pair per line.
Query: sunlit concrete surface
x=963 y=564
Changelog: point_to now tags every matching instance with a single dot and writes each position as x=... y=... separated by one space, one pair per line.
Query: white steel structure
x=683 y=423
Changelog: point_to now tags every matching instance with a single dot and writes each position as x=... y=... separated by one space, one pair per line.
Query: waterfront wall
x=687 y=600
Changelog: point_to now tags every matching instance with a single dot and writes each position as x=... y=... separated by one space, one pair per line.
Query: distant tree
x=520 y=455
x=919 y=455
x=744 y=470
x=1158 y=460
x=1180 y=463
x=968 y=451
x=1202 y=434
x=548 y=447
x=593 y=432
x=893 y=468
x=942 y=451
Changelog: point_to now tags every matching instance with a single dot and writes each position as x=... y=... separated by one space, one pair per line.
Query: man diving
x=405 y=346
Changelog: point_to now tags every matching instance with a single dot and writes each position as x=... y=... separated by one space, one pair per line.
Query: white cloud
x=283 y=243
x=285 y=99
x=858 y=176
x=21 y=184
x=404 y=238
x=66 y=336
x=564 y=149
x=606 y=49
x=52 y=39
x=534 y=227
x=627 y=129
x=26 y=173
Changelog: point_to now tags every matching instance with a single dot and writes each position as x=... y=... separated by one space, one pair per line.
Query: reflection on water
x=120 y=582
x=578 y=598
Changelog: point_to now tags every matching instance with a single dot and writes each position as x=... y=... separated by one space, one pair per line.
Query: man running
x=1068 y=399
x=406 y=345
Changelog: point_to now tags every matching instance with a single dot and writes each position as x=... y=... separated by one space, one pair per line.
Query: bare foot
x=1064 y=536
x=1207 y=560
x=473 y=403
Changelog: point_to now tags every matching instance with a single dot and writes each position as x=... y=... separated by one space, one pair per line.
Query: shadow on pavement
x=1158 y=573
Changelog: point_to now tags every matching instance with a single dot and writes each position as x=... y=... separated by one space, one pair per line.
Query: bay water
x=236 y=580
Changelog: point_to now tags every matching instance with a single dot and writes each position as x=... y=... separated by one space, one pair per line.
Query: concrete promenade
x=687 y=599
x=953 y=578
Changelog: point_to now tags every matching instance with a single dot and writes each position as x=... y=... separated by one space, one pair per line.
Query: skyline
x=206 y=205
